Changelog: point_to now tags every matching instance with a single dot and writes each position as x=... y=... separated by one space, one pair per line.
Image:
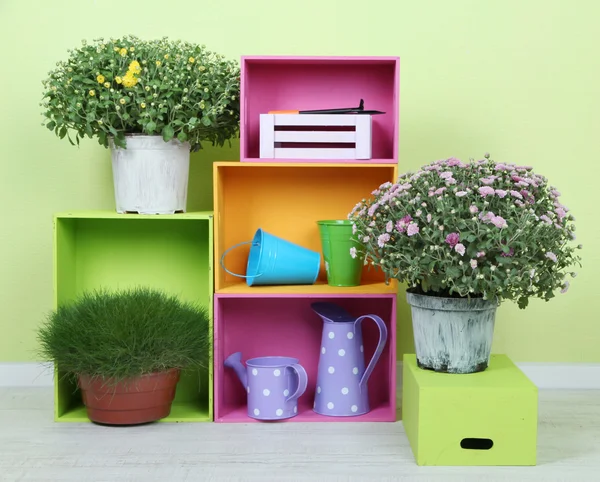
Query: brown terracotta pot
x=137 y=400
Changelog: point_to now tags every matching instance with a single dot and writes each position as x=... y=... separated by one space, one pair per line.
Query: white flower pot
x=452 y=335
x=151 y=175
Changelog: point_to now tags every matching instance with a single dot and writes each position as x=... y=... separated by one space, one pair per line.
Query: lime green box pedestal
x=487 y=418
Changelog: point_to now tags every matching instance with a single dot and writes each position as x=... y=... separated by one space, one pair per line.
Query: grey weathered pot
x=452 y=335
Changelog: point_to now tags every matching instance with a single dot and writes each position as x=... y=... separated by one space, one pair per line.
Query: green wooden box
x=486 y=418
x=115 y=251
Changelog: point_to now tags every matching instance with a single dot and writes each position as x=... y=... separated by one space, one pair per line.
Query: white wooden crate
x=273 y=137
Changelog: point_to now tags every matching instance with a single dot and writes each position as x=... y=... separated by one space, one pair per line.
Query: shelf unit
x=305 y=83
x=286 y=198
x=285 y=325
x=108 y=250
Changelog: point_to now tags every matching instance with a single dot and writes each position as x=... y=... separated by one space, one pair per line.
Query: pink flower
x=473 y=209
x=516 y=194
x=501 y=193
x=446 y=174
x=546 y=219
x=453 y=161
x=354 y=228
x=486 y=191
x=382 y=239
x=376 y=192
x=519 y=203
x=487 y=181
x=487 y=217
x=555 y=193
x=439 y=191
x=353 y=252
x=418 y=212
x=401 y=224
x=366 y=239
x=565 y=287
x=561 y=213
x=460 y=249
x=499 y=222
x=550 y=255
x=372 y=209
x=450 y=181
x=473 y=263
x=429 y=218
x=389 y=226
x=510 y=253
x=412 y=229
x=480 y=254
x=517 y=178
x=452 y=239
x=501 y=167
x=461 y=193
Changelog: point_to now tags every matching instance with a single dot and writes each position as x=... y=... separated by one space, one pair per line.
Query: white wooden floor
x=34 y=448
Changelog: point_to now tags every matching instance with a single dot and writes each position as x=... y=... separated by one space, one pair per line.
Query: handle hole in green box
x=476 y=443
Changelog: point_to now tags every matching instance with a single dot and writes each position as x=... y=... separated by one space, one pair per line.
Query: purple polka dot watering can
x=342 y=378
x=273 y=384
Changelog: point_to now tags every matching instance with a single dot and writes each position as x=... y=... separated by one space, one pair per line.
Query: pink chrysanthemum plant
x=477 y=229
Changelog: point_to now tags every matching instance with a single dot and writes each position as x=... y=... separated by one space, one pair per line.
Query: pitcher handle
x=383 y=333
x=302 y=381
x=231 y=272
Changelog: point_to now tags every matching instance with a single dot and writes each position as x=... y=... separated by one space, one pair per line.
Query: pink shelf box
x=285 y=325
x=271 y=83
x=315 y=136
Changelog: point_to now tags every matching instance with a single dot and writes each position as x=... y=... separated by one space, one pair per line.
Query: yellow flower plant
x=110 y=88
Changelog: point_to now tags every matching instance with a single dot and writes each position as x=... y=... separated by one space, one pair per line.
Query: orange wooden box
x=286 y=200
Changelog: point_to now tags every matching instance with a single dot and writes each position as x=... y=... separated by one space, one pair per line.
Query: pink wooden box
x=285 y=325
x=272 y=83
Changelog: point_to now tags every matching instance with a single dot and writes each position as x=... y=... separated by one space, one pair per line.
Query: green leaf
x=151 y=127
x=471 y=238
x=63 y=132
x=193 y=120
x=51 y=125
x=168 y=133
x=523 y=302
x=206 y=121
x=182 y=136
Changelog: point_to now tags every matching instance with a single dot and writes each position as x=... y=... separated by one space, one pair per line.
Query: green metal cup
x=336 y=241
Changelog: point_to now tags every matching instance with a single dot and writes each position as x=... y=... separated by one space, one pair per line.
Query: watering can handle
x=230 y=272
x=380 y=345
x=302 y=381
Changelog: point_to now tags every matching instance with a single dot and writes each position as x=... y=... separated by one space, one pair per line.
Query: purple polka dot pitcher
x=342 y=379
x=273 y=384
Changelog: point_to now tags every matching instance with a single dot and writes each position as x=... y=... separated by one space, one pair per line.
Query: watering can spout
x=234 y=361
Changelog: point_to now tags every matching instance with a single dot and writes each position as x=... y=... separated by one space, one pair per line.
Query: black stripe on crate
x=317 y=128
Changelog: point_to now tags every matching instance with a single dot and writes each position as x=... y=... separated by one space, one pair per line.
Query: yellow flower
x=166 y=56
x=107 y=84
x=143 y=105
x=158 y=63
x=132 y=48
x=191 y=60
x=92 y=92
x=122 y=101
x=135 y=67
x=123 y=52
x=130 y=80
x=100 y=79
x=202 y=68
x=116 y=49
x=118 y=80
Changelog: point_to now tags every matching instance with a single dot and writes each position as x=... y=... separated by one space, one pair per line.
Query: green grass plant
x=119 y=335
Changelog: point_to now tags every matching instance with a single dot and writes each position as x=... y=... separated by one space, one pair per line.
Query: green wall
x=520 y=79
